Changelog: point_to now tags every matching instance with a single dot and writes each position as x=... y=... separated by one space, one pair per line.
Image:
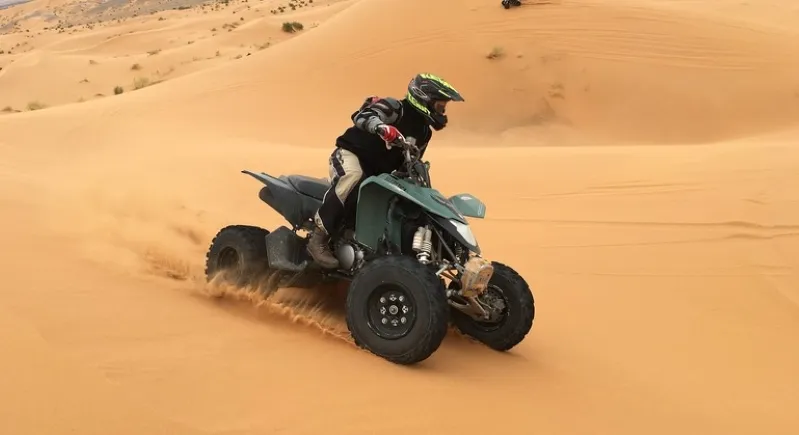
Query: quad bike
x=405 y=242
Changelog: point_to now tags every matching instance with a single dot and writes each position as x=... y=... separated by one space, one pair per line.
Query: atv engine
x=349 y=255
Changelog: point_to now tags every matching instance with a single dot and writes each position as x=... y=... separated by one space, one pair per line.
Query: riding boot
x=320 y=251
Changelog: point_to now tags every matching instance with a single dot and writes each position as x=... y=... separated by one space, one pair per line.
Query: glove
x=388 y=133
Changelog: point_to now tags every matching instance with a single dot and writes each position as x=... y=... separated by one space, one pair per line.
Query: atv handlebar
x=415 y=169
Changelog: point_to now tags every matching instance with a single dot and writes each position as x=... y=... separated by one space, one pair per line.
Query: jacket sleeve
x=376 y=111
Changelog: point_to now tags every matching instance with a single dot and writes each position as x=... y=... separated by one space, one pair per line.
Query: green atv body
x=408 y=252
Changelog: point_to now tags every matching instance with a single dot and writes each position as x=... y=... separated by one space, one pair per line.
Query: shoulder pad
x=370 y=100
x=390 y=107
x=391 y=102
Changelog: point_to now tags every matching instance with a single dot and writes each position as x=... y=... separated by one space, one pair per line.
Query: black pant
x=346 y=175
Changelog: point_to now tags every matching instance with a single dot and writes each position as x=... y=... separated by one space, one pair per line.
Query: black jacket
x=362 y=140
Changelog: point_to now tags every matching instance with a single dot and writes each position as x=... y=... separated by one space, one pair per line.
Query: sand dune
x=619 y=73
x=97 y=58
x=665 y=275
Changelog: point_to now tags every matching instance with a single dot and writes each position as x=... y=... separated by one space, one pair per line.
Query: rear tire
x=396 y=288
x=238 y=255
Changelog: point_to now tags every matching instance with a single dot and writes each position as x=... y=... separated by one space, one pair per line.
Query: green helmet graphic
x=423 y=92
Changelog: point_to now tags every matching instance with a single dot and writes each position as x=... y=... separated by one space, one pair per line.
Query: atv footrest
x=285 y=250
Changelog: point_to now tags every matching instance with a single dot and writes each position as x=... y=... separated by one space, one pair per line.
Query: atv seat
x=310 y=186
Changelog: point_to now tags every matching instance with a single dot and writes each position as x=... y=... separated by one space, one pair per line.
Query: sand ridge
x=636 y=158
x=97 y=58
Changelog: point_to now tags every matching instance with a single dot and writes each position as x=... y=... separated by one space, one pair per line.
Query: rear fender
x=284 y=199
x=263 y=177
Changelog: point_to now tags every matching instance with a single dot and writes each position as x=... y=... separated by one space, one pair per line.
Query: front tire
x=397 y=309
x=516 y=319
x=238 y=255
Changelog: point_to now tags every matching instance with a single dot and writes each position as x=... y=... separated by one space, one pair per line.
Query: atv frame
x=409 y=253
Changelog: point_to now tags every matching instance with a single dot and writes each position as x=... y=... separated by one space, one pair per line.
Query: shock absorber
x=423 y=244
x=458 y=251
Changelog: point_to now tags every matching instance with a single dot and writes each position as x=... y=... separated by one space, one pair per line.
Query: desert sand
x=638 y=159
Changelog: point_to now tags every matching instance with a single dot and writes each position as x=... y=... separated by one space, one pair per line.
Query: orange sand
x=639 y=162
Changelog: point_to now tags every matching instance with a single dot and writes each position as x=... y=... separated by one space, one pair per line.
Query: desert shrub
x=495 y=53
x=141 y=82
x=35 y=105
x=292 y=26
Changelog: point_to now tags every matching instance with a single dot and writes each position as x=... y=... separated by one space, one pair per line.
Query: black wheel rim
x=488 y=300
x=228 y=260
x=391 y=311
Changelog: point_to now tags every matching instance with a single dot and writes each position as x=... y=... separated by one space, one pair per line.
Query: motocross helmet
x=423 y=92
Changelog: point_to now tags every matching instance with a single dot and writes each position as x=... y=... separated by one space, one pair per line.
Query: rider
x=371 y=147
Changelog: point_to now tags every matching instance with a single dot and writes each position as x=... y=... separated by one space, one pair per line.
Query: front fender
x=374 y=197
x=429 y=200
x=469 y=205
